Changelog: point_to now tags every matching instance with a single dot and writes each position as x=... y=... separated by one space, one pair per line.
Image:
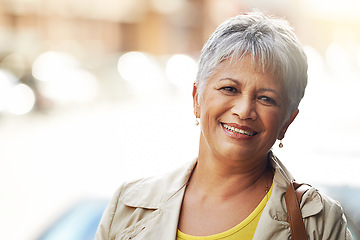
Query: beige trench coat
x=148 y=209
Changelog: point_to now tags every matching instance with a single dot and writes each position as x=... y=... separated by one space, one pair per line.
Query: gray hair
x=273 y=48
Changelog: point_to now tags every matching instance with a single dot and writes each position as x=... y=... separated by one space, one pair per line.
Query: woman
x=252 y=76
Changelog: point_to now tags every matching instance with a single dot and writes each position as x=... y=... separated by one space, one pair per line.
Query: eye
x=267 y=101
x=229 y=90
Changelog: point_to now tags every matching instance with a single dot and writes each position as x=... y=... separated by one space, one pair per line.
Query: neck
x=224 y=177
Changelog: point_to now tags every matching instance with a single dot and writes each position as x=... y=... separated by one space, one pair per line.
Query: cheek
x=273 y=121
x=212 y=104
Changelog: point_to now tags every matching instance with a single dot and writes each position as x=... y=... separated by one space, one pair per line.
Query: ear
x=287 y=124
x=196 y=103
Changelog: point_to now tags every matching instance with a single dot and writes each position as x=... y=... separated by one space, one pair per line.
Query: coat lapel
x=275 y=213
x=162 y=198
x=165 y=226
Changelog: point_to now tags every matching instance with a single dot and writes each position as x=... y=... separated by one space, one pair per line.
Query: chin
x=237 y=154
x=241 y=153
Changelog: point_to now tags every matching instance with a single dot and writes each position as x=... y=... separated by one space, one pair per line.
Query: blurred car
x=78 y=223
x=81 y=221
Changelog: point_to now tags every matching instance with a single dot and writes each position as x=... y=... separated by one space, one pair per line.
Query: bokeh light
x=21 y=99
x=51 y=66
x=72 y=86
x=63 y=80
x=15 y=98
x=181 y=70
x=15 y=63
x=141 y=71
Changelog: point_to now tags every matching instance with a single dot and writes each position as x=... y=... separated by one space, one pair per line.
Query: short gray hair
x=273 y=48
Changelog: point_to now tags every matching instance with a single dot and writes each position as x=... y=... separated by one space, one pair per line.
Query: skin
x=232 y=172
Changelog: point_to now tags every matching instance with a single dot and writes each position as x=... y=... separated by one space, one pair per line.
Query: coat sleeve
x=335 y=224
x=103 y=230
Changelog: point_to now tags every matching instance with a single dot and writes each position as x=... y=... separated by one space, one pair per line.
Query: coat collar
x=154 y=192
x=164 y=195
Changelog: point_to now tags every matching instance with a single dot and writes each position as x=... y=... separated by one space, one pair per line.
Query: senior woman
x=252 y=76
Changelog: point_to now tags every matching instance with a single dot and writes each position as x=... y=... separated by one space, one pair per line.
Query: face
x=242 y=112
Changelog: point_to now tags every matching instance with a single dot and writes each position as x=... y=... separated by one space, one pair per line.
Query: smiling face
x=242 y=112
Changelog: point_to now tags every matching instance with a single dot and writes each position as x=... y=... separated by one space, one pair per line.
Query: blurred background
x=93 y=93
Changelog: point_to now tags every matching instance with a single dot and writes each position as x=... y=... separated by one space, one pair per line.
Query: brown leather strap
x=293 y=197
x=300 y=189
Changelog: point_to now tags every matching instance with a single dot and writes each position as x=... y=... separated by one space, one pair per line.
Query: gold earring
x=196 y=122
x=281 y=145
x=196 y=119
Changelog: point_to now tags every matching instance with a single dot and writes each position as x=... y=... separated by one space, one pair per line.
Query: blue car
x=79 y=223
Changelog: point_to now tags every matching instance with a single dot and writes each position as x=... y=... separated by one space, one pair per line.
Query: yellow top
x=244 y=230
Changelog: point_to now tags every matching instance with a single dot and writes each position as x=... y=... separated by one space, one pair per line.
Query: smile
x=238 y=131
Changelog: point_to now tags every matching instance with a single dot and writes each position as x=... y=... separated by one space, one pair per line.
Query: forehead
x=246 y=69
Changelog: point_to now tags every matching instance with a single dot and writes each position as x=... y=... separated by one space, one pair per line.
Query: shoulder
x=323 y=216
x=330 y=205
x=329 y=222
x=151 y=191
x=327 y=207
x=139 y=199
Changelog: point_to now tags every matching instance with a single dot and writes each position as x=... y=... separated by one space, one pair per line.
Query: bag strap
x=293 y=197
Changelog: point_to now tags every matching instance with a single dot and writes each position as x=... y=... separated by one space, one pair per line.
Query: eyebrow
x=231 y=79
x=270 y=90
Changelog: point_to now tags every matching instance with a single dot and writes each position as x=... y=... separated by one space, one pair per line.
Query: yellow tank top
x=244 y=230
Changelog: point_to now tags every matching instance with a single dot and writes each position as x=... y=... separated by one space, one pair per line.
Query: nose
x=244 y=108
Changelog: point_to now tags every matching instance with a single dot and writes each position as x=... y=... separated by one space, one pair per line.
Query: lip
x=237 y=131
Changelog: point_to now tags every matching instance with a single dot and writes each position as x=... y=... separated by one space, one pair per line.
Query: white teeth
x=236 y=130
